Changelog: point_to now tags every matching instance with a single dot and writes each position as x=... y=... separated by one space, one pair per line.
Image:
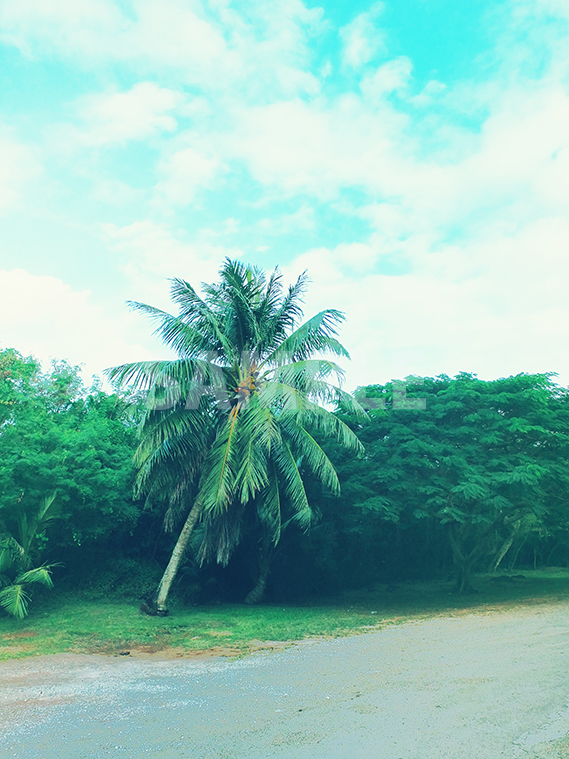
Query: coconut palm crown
x=234 y=419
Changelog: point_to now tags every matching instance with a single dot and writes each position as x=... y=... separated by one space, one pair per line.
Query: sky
x=411 y=155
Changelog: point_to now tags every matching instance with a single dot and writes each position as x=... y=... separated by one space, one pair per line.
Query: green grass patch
x=65 y=624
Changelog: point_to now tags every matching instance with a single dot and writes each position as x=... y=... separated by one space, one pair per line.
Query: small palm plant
x=230 y=421
x=17 y=576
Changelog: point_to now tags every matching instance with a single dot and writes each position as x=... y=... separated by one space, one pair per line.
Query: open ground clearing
x=476 y=685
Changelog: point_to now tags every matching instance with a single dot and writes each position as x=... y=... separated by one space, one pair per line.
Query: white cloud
x=468 y=200
x=183 y=174
x=318 y=147
x=363 y=39
x=302 y=219
x=392 y=76
x=510 y=315
x=173 y=34
x=18 y=166
x=170 y=33
x=57 y=24
x=206 y=44
x=138 y=114
x=272 y=43
x=478 y=226
x=148 y=253
x=513 y=168
x=43 y=316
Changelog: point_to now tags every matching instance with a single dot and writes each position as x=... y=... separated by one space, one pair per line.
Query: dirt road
x=469 y=687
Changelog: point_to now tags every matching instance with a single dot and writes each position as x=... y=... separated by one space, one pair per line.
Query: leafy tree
x=17 y=375
x=77 y=445
x=232 y=420
x=483 y=459
x=59 y=442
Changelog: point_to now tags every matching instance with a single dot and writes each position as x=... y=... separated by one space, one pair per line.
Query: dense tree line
x=482 y=463
x=423 y=478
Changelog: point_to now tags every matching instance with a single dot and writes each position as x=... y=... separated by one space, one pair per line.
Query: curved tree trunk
x=256 y=595
x=517 y=551
x=505 y=547
x=158 y=605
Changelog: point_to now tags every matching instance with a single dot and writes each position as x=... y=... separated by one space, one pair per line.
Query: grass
x=64 y=624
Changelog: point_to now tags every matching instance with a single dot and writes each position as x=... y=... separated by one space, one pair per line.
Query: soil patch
x=17 y=635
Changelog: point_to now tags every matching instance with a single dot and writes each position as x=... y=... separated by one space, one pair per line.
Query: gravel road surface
x=477 y=686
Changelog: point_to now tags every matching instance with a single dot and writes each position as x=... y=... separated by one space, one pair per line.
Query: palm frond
x=282 y=397
x=312 y=454
x=47 y=511
x=175 y=457
x=11 y=552
x=293 y=486
x=290 y=310
x=221 y=535
x=15 y=601
x=270 y=508
x=157 y=428
x=170 y=382
x=317 y=335
x=348 y=404
x=23 y=532
x=177 y=334
x=40 y=575
x=317 y=418
x=311 y=377
x=259 y=432
x=196 y=312
x=236 y=296
x=146 y=374
x=6 y=559
x=279 y=397
x=47 y=506
x=218 y=483
x=181 y=493
x=269 y=306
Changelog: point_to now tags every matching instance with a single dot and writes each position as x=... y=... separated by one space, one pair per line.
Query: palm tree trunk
x=256 y=595
x=159 y=604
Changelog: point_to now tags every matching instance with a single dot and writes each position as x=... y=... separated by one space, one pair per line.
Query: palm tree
x=234 y=417
x=17 y=552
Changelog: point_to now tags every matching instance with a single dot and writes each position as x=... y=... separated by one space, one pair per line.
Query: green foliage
x=479 y=457
x=15 y=596
x=478 y=478
x=61 y=439
x=14 y=600
x=17 y=375
x=16 y=557
x=66 y=473
x=111 y=576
